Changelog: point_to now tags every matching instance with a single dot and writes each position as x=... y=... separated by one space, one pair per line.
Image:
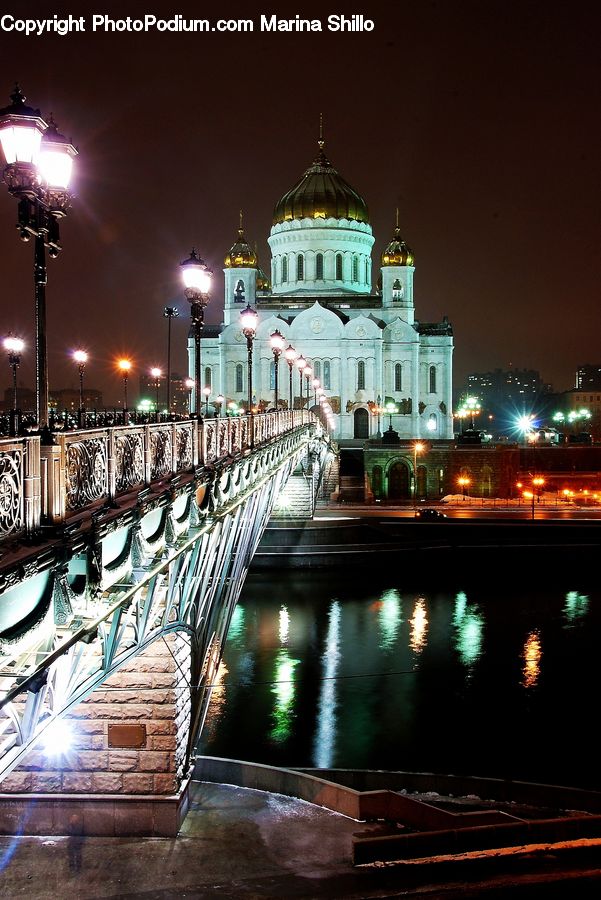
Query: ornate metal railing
x=91 y=466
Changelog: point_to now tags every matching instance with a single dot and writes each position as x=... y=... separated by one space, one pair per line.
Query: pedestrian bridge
x=120 y=546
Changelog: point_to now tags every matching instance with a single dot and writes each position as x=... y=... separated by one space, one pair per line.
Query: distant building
x=505 y=393
x=588 y=377
x=25 y=399
x=180 y=394
x=68 y=399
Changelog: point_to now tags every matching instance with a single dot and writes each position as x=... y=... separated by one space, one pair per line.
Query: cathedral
x=365 y=347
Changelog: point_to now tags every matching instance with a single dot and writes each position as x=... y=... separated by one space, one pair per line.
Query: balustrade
x=96 y=465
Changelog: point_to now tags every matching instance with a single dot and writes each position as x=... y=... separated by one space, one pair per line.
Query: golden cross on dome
x=321 y=141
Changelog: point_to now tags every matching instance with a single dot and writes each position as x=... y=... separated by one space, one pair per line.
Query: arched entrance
x=398 y=481
x=361 y=423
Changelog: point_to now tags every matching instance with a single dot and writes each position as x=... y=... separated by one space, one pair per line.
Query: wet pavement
x=240 y=843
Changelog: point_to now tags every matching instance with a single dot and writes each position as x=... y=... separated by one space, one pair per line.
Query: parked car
x=428 y=514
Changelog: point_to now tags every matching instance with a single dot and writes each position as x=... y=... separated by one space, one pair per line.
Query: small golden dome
x=397 y=253
x=241 y=255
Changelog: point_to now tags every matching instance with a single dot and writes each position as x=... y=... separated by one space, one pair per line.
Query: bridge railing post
x=32 y=498
x=147 y=456
x=110 y=465
x=52 y=461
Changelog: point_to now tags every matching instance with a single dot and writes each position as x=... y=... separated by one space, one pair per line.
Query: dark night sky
x=480 y=120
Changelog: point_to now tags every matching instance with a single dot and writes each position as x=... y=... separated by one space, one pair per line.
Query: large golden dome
x=321 y=193
x=397 y=253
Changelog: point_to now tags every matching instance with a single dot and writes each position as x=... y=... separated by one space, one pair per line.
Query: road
x=458 y=511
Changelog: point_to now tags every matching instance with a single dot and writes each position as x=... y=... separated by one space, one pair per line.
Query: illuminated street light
x=418 y=447
x=301 y=365
x=81 y=358
x=219 y=401
x=196 y=277
x=463 y=481
x=14 y=347
x=277 y=345
x=38 y=168
x=249 y=319
x=290 y=354
x=124 y=366
x=156 y=374
x=207 y=393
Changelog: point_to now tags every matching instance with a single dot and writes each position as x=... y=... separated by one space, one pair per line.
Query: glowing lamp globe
x=249 y=319
x=290 y=353
x=55 y=161
x=277 y=341
x=21 y=130
x=196 y=275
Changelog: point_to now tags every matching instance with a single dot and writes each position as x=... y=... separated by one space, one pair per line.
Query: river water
x=494 y=680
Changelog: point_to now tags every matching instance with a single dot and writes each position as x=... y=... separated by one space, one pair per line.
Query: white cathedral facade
x=366 y=347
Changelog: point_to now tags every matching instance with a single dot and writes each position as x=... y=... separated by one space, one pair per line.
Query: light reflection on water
x=469 y=681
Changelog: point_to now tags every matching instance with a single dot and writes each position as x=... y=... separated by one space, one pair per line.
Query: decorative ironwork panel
x=210 y=442
x=129 y=460
x=160 y=453
x=86 y=472
x=234 y=435
x=11 y=492
x=222 y=444
x=243 y=434
x=184 y=448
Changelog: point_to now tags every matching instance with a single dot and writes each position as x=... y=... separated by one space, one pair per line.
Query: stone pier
x=124 y=772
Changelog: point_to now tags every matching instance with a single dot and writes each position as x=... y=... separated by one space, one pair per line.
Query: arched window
x=339 y=267
x=284 y=269
x=326 y=375
x=355 y=269
x=398 y=377
x=239 y=377
x=360 y=375
x=432 y=423
x=239 y=292
x=208 y=377
x=319 y=267
x=300 y=267
x=272 y=375
x=366 y=271
x=317 y=369
x=432 y=379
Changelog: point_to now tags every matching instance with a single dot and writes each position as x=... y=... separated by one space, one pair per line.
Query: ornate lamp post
x=207 y=393
x=190 y=386
x=81 y=358
x=169 y=313
x=156 y=374
x=14 y=348
x=537 y=483
x=392 y=411
x=418 y=447
x=249 y=319
x=197 y=284
x=219 y=401
x=316 y=384
x=290 y=354
x=277 y=345
x=124 y=366
x=39 y=163
x=308 y=372
x=301 y=365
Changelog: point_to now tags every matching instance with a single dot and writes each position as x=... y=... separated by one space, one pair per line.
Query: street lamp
x=537 y=482
x=301 y=365
x=391 y=410
x=277 y=345
x=316 y=384
x=207 y=393
x=197 y=284
x=463 y=481
x=249 y=319
x=418 y=447
x=156 y=374
x=38 y=168
x=290 y=354
x=190 y=386
x=14 y=347
x=308 y=372
x=124 y=366
x=81 y=358
x=169 y=313
x=219 y=401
